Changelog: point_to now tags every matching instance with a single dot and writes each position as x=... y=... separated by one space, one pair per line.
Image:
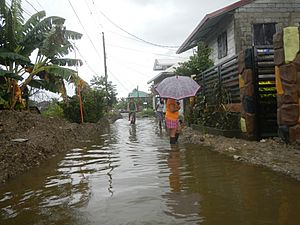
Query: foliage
x=54 y=110
x=93 y=106
x=197 y=63
x=98 y=83
x=121 y=104
x=95 y=101
x=148 y=112
x=47 y=39
x=214 y=115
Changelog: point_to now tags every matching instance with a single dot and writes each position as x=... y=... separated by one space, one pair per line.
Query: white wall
x=213 y=43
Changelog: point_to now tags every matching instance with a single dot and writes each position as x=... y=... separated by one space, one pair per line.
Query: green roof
x=138 y=94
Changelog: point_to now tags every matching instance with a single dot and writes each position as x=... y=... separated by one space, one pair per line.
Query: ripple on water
x=132 y=176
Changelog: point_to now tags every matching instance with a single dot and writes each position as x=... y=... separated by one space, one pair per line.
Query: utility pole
x=105 y=67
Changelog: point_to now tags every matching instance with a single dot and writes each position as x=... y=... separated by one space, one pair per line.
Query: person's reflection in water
x=182 y=204
x=132 y=133
x=174 y=164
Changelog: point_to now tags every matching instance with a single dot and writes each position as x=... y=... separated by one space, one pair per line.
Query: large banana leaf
x=67 y=62
x=33 y=21
x=9 y=34
x=53 y=84
x=8 y=74
x=34 y=38
x=64 y=73
x=8 y=56
x=69 y=34
x=17 y=14
x=64 y=50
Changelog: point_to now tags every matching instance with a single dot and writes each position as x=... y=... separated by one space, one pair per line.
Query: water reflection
x=181 y=203
x=174 y=164
x=132 y=133
x=133 y=176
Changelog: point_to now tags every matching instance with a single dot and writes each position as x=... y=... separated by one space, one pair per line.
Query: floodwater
x=133 y=176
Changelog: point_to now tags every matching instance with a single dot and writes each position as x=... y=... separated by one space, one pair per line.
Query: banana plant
x=46 y=38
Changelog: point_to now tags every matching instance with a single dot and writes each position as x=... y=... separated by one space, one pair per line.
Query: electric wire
x=121 y=62
x=31 y=5
x=153 y=53
x=92 y=43
x=39 y=4
x=95 y=73
x=136 y=37
x=94 y=20
x=86 y=62
x=121 y=83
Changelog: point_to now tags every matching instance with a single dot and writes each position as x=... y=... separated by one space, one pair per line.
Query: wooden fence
x=226 y=74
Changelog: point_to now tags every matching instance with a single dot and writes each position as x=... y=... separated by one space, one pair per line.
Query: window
x=263 y=33
x=222 y=45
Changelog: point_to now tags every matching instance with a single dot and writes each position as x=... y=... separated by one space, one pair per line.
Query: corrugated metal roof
x=207 y=23
x=162 y=64
x=168 y=72
x=138 y=94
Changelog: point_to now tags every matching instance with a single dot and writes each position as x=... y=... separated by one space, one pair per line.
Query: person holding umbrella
x=172 y=88
x=172 y=122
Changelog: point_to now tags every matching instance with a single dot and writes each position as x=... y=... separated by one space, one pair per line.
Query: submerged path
x=133 y=176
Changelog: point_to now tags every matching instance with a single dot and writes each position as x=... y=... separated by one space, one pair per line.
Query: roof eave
x=188 y=43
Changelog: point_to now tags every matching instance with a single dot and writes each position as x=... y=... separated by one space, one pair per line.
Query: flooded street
x=133 y=176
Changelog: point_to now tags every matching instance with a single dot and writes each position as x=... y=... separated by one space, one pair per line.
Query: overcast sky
x=129 y=60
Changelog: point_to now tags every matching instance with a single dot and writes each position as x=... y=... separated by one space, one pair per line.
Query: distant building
x=142 y=98
x=163 y=64
x=138 y=94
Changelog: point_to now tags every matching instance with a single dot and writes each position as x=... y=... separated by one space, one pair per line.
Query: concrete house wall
x=239 y=24
x=283 y=12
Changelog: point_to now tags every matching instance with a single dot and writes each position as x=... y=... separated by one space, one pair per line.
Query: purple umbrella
x=177 y=87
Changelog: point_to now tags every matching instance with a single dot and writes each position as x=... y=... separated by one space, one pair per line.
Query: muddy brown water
x=133 y=176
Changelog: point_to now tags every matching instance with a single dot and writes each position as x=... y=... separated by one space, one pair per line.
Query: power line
x=31 y=5
x=39 y=4
x=27 y=13
x=127 y=89
x=99 y=26
x=121 y=62
x=84 y=29
x=121 y=83
x=136 y=37
x=84 y=60
x=132 y=49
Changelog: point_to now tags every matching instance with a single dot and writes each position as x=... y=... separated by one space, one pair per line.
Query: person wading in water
x=160 y=112
x=132 y=109
x=172 y=114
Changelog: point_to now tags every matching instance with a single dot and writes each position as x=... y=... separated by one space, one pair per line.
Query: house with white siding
x=241 y=25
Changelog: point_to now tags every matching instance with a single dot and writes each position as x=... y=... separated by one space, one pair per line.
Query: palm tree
x=44 y=37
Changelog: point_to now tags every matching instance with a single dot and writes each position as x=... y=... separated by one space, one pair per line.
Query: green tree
x=95 y=101
x=54 y=110
x=98 y=83
x=197 y=63
x=122 y=104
